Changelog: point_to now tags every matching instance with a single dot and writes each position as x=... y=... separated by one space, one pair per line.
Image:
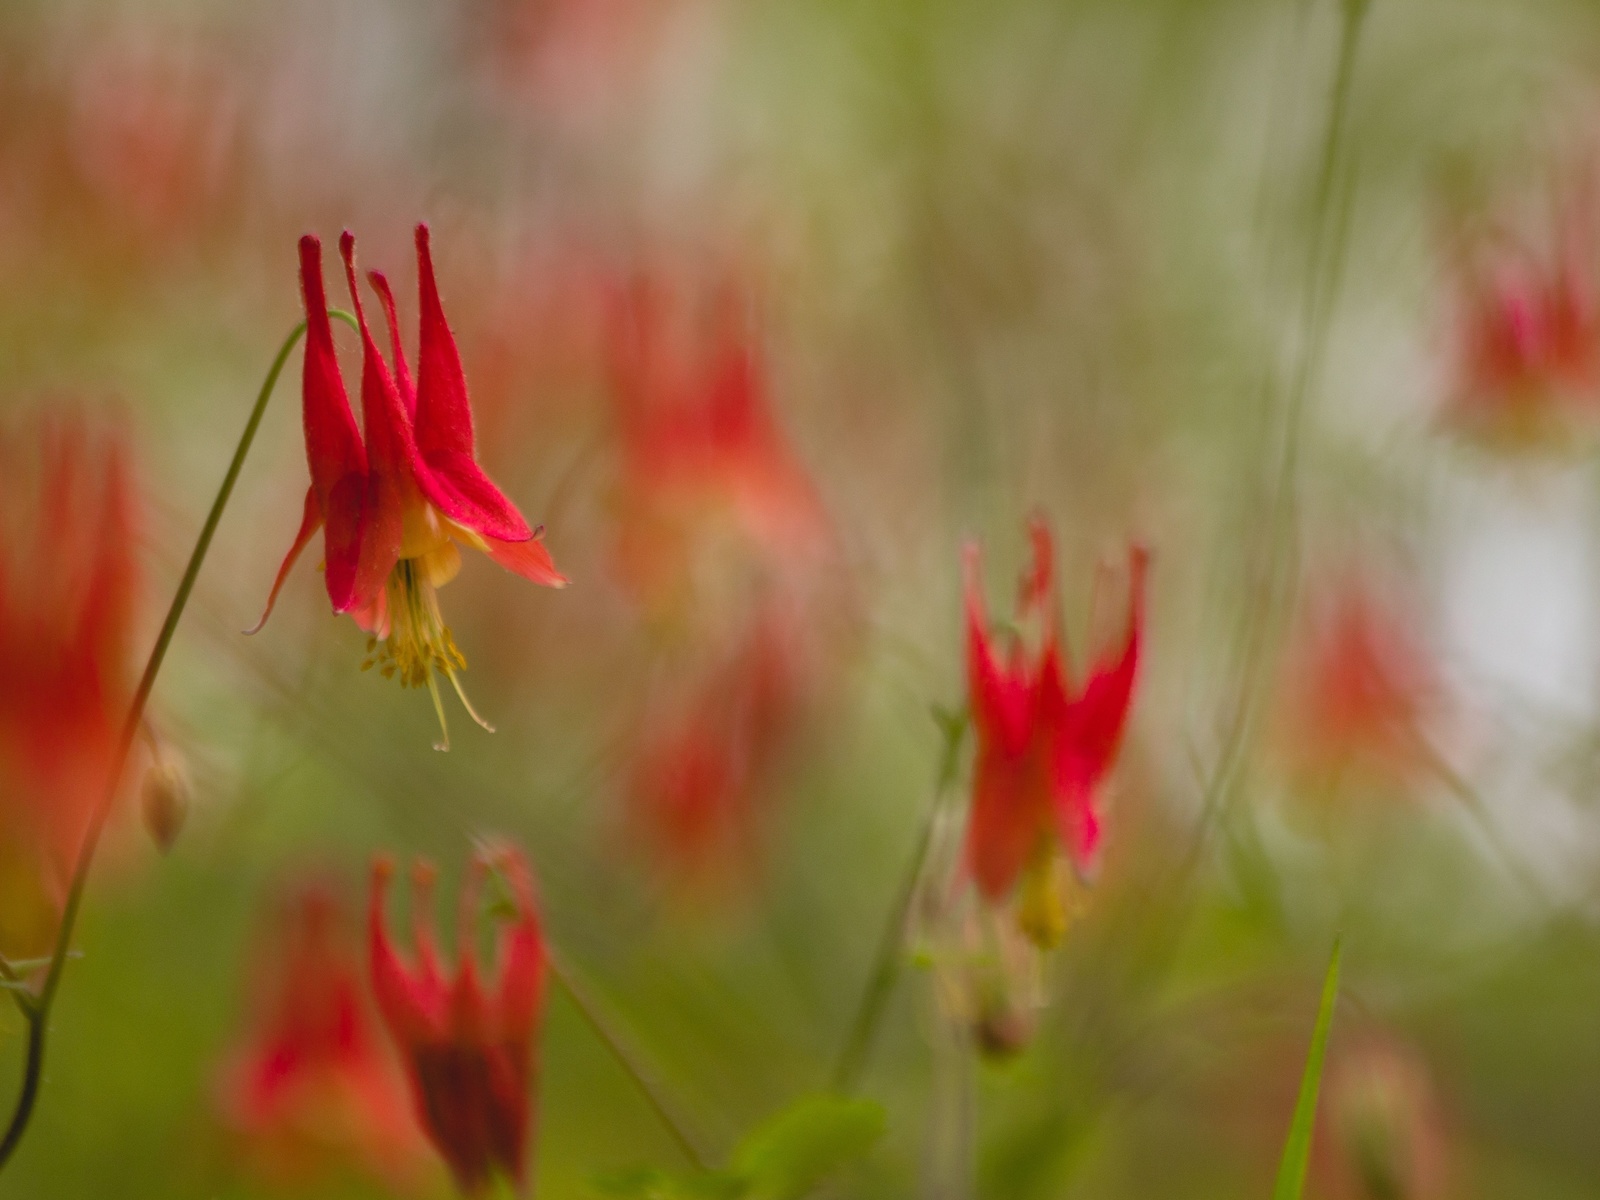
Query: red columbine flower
x=711 y=747
x=313 y=1087
x=1356 y=686
x=1042 y=747
x=1528 y=346
x=68 y=580
x=467 y=1043
x=396 y=504
x=711 y=491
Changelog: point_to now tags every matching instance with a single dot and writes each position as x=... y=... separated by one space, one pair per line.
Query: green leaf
x=1297 y=1148
x=650 y=1183
x=796 y=1150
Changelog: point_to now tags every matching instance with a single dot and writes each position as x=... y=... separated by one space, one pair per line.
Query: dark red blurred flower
x=395 y=503
x=1528 y=347
x=709 y=750
x=1356 y=681
x=713 y=505
x=313 y=1088
x=468 y=1043
x=1043 y=747
x=68 y=580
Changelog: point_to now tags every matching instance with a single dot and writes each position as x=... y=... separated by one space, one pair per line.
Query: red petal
x=310 y=522
x=391 y=453
x=453 y=481
x=1000 y=697
x=344 y=513
x=333 y=443
x=412 y=1006
x=402 y=372
x=1006 y=822
x=530 y=559
x=444 y=415
x=1101 y=712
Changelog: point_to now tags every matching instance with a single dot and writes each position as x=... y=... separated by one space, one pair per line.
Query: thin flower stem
x=886 y=966
x=649 y=1088
x=1324 y=271
x=37 y=1009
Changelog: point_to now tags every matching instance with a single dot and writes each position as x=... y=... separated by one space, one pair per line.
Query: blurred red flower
x=1355 y=680
x=468 y=1044
x=396 y=503
x=709 y=750
x=1042 y=747
x=68 y=582
x=1528 y=342
x=714 y=508
x=312 y=1088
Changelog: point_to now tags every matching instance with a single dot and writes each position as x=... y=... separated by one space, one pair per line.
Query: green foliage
x=786 y=1158
x=1297 y=1149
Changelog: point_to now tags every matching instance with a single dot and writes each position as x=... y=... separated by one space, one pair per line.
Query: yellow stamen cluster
x=419 y=642
x=419 y=645
x=1042 y=905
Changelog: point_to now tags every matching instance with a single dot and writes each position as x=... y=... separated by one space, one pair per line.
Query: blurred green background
x=998 y=256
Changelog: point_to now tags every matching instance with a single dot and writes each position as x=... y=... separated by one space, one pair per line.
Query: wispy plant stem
x=643 y=1079
x=886 y=965
x=35 y=1007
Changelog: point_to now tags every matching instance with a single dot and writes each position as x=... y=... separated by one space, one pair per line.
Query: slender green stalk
x=886 y=965
x=1297 y=1146
x=643 y=1079
x=1324 y=270
x=36 y=1009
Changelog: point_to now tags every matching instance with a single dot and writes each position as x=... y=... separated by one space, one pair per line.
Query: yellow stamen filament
x=1041 y=907
x=419 y=645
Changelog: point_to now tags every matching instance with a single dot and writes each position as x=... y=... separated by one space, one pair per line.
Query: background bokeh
x=989 y=257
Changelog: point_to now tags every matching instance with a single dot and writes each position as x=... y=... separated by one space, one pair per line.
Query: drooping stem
x=891 y=945
x=36 y=1008
x=643 y=1079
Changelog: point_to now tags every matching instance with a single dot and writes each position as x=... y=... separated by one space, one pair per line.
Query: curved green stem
x=36 y=1009
x=886 y=965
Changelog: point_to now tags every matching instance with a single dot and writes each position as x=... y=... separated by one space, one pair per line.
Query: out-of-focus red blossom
x=395 y=501
x=312 y=1089
x=468 y=1043
x=152 y=131
x=1356 y=683
x=1388 y=1138
x=709 y=752
x=68 y=584
x=1527 y=368
x=1043 y=746
x=575 y=60
x=712 y=499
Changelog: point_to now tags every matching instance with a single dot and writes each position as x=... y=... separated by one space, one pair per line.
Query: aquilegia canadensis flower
x=396 y=503
x=1043 y=746
x=468 y=1043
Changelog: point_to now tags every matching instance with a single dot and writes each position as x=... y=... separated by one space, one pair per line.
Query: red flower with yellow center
x=467 y=1043
x=1043 y=747
x=396 y=504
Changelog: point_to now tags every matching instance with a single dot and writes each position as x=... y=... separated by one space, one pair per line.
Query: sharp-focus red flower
x=1528 y=347
x=468 y=1043
x=313 y=1087
x=1043 y=747
x=68 y=580
x=1355 y=685
x=712 y=498
x=395 y=504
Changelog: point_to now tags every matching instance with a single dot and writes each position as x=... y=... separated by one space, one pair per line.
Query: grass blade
x=1297 y=1148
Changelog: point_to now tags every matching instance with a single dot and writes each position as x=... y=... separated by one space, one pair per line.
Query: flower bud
x=164 y=800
